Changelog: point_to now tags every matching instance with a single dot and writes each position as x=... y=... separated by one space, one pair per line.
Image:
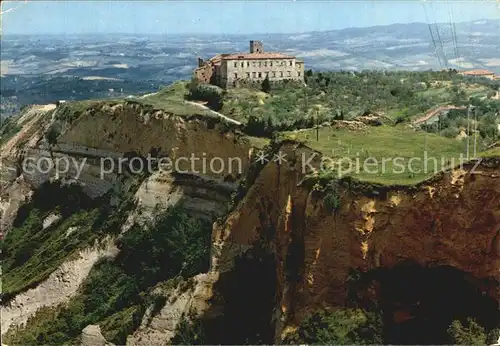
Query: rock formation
x=450 y=220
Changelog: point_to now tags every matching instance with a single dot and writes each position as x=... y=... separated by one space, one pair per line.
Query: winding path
x=230 y=120
x=432 y=113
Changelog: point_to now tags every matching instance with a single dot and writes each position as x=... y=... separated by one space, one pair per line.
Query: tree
x=212 y=94
x=493 y=336
x=470 y=333
x=340 y=327
x=266 y=85
x=53 y=133
x=308 y=75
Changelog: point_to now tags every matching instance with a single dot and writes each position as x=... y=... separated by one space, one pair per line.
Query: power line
x=454 y=34
x=439 y=38
x=432 y=36
x=456 y=38
x=441 y=45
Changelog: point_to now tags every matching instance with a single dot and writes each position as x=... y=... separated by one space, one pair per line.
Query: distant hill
x=34 y=66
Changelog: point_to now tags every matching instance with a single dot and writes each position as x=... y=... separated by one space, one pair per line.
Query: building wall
x=484 y=75
x=204 y=73
x=255 y=70
x=299 y=68
x=256 y=47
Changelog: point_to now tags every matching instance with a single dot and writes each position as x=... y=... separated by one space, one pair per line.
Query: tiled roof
x=477 y=72
x=216 y=59
x=252 y=56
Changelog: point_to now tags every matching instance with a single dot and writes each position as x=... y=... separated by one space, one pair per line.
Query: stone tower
x=256 y=47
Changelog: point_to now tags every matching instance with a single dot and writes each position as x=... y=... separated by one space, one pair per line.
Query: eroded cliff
x=292 y=241
x=97 y=147
x=451 y=220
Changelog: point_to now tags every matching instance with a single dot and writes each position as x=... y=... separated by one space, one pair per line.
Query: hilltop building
x=479 y=73
x=235 y=69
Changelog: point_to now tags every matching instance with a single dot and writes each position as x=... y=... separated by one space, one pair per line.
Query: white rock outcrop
x=160 y=329
x=92 y=336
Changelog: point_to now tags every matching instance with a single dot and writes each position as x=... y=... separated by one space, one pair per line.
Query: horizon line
x=3 y=34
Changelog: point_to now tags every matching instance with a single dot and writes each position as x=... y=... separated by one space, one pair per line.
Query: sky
x=230 y=16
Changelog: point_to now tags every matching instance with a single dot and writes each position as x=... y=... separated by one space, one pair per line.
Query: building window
x=271 y=64
x=289 y=74
x=242 y=64
x=248 y=74
x=274 y=74
x=248 y=63
x=260 y=63
x=235 y=75
x=253 y=64
x=254 y=74
x=265 y=63
x=235 y=64
x=290 y=62
x=281 y=74
x=298 y=74
x=260 y=75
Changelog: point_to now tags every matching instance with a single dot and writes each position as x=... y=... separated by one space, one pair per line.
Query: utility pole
x=317 y=127
x=468 y=130
x=425 y=145
x=475 y=131
x=306 y=101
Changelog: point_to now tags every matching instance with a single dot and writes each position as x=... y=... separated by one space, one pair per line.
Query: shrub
x=189 y=331
x=340 y=327
x=266 y=85
x=212 y=94
x=469 y=333
x=493 y=336
x=450 y=132
x=332 y=200
x=400 y=119
x=53 y=133
x=176 y=244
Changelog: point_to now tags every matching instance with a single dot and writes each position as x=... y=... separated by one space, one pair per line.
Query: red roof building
x=233 y=69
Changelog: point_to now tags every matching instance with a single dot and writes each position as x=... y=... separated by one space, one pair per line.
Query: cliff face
x=307 y=250
x=14 y=188
x=103 y=147
x=453 y=220
x=101 y=136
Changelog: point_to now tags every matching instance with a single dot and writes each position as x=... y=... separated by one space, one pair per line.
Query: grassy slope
x=382 y=142
x=31 y=253
x=171 y=99
x=8 y=129
x=494 y=152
